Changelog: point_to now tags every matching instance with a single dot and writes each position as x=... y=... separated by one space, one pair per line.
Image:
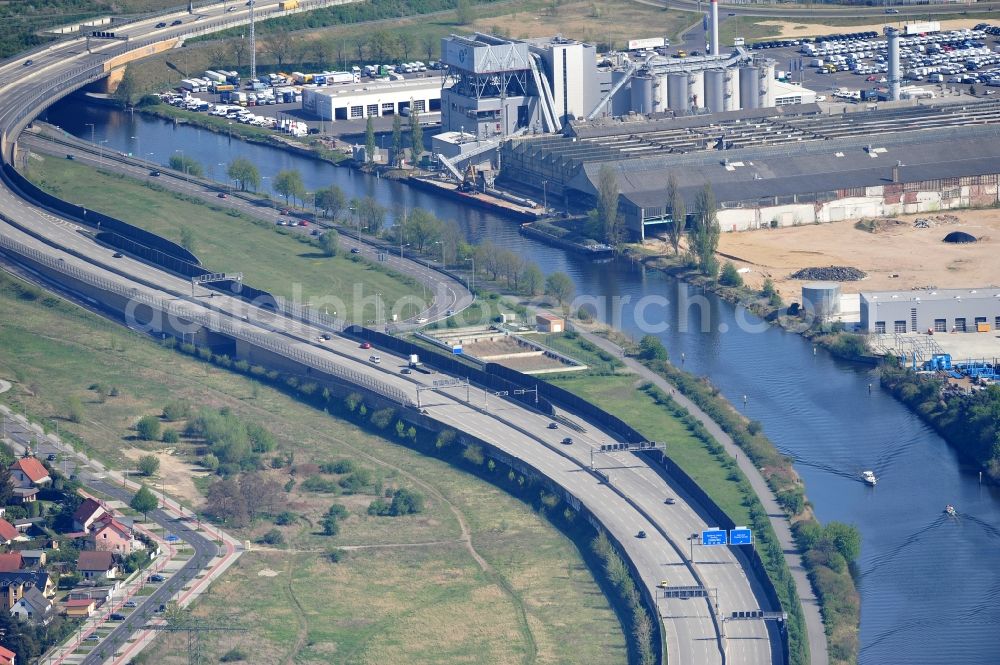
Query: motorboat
x=950 y=511
x=869 y=477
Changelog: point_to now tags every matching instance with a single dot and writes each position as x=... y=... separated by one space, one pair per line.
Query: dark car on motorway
x=155 y=174
x=177 y=22
x=161 y=25
x=567 y=441
x=641 y=534
x=29 y=63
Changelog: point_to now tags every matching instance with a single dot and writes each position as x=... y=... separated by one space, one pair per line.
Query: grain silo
x=696 y=89
x=642 y=94
x=732 y=89
x=749 y=88
x=660 y=101
x=677 y=92
x=715 y=90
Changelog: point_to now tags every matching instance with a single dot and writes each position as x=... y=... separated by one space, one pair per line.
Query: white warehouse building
x=353 y=101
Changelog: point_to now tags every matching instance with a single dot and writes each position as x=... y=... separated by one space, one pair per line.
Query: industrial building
x=940 y=311
x=779 y=166
x=372 y=98
x=502 y=87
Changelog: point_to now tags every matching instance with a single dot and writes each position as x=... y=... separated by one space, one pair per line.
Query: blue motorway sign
x=457 y=350
x=741 y=535
x=713 y=537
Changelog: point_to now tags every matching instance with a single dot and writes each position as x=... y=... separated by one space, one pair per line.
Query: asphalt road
x=204 y=549
x=447 y=292
x=633 y=501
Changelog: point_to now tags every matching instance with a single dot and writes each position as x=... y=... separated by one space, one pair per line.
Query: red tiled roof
x=7 y=654
x=7 y=530
x=110 y=521
x=91 y=560
x=10 y=561
x=79 y=602
x=32 y=468
x=86 y=510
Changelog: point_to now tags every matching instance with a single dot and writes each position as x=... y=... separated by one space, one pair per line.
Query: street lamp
x=357 y=221
x=138 y=143
x=183 y=163
x=438 y=242
x=378 y=301
x=100 y=151
x=545 y=196
x=472 y=275
x=91 y=125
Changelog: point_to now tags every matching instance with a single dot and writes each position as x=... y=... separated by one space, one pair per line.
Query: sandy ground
x=898 y=257
x=792 y=30
x=177 y=476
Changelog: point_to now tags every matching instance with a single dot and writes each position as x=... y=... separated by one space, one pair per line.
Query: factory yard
x=794 y=29
x=897 y=256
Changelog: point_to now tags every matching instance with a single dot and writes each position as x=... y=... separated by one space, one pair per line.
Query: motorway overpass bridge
x=626 y=498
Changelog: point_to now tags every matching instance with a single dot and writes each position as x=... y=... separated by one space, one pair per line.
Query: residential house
x=87 y=513
x=80 y=607
x=14 y=584
x=97 y=565
x=11 y=561
x=110 y=535
x=32 y=558
x=8 y=533
x=29 y=472
x=33 y=607
x=7 y=657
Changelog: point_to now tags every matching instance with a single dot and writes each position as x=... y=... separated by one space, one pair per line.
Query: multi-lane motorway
x=632 y=501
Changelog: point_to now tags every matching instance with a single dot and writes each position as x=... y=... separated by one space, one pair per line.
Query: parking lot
x=851 y=62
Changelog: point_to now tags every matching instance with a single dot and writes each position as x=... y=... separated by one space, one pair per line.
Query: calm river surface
x=929 y=584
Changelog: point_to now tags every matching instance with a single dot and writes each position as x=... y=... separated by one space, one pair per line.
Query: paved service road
x=205 y=550
x=632 y=501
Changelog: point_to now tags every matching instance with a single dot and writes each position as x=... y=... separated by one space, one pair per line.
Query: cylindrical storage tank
x=821 y=299
x=749 y=90
x=660 y=102
x=677 y=92
x=642 y=94
x=696 y=89
x=621 y=103
x=715 y=90
x=766 y=85
x=732 y=89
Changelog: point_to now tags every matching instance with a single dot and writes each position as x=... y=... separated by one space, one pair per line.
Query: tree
x=558 y=285
x=416 y=136
x=730 y=276
x=607 y=205
x=240 y=49
x=678 y=213
x=143 y=501
x=186 y=165
x=768 y=290
x=289 y=184
x=381 y=44
x=407 y=42
x=370 y=140
x=187 y=239
x=225 y=502
x=397 y=140
x=463 y=12
x=429 y=42
x=127 y=89
x=148 y=428
x=76 y=412
x=149 y=465
x=532 y=280
x=371 y=214
x=245 y=173
x=260 y=494
x=359 y=45
x=331 y=200
x=328 y=243
x=845 y=537
x=406 y=502
x=705 y=231
x=281 y=45
x=6 y=488
x=651 y=348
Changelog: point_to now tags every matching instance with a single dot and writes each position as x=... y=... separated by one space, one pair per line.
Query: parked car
x=51 y=457
x=156 y=578
x=131 y=603
x=117 y=616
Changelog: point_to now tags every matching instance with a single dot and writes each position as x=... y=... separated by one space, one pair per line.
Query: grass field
x=409 y=589
x=617 y=395
x=280 y=263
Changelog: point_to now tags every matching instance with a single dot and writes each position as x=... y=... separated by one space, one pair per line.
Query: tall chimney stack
x=894 y=75
x=715 y=27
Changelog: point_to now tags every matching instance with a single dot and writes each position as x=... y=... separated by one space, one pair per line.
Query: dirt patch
x=267 y=572
x=899 y=256
x=177 y=474
x=787 y=29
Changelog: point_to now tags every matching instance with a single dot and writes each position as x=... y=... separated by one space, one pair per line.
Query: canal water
x=929 y=584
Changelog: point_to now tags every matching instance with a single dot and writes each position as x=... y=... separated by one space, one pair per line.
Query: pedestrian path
x=779 y=520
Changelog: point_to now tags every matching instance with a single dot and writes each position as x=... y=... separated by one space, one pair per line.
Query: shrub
x=285 y=518
x=149 y=464
x=319 y=484
x=148 y=428
x=730 y=276
x=177 y=410
x=273 y=537
x=170 y=436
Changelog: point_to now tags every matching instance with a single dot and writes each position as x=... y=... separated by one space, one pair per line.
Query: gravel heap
x=831 y=274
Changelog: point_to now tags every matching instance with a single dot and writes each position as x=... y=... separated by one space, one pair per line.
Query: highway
x=631 y=502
